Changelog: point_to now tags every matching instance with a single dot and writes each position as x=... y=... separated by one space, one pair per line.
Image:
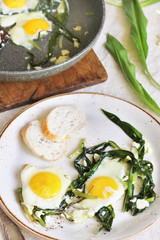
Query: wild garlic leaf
x=138 y=23
x=119 y=53
x=131 y=131
x=144 y=3
x=138 y=32
x=148 y=2
x=125 y=126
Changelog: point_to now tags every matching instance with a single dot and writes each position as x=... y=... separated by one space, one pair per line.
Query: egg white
x=88 y=207
x=31 y=199
x=30 y=4
x=17 y=32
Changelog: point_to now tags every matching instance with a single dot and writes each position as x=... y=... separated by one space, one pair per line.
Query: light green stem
x=143 y=3
x=151 y=78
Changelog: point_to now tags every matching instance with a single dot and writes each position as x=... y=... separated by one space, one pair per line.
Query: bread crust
x=59 y=137
x=31 y=147
x=48 y=134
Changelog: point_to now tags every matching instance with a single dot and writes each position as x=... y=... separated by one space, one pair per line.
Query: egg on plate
x=43 y=188
x=26 y=27
x=9 y=6
x=105 y=185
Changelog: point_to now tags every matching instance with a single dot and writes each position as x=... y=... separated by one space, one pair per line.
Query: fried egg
x=16 y=6
x=43 y=188
x=26 y=27
x=105 y=185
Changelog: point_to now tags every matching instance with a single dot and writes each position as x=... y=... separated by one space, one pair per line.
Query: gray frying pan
x=14 y=59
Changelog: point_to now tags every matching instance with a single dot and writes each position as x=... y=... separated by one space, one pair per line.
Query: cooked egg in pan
x=43 y=188
x=16 y=6
x=26 y=27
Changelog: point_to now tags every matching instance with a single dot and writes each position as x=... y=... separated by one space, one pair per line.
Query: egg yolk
x=15 y=3
x=102 y=187
x=45 y=184
x=33 y=26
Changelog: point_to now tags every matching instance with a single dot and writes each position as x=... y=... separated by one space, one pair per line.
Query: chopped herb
x=89 y=14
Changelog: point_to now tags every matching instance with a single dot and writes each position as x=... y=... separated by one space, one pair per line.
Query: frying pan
x=14 y=59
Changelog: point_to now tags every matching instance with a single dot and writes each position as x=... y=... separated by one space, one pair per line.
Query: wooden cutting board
x=87 y=72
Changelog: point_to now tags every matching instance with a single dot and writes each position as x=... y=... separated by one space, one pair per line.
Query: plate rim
x=2 y=203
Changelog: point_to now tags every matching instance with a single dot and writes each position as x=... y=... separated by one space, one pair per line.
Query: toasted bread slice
x=63 y=122
x=40 y=145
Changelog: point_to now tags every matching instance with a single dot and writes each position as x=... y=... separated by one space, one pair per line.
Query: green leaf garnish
x=131 y=131
x=105 y=216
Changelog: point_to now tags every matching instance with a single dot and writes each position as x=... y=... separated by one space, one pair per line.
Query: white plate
x=14 y=154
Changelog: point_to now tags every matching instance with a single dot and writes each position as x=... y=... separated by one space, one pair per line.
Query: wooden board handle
x=87 y=72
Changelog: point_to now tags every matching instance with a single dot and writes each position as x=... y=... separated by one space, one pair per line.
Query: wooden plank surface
x=87 y=72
